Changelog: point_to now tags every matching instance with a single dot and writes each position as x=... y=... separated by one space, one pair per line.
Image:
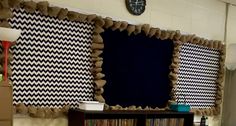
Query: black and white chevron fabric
x=52 y=60
x=198 y=71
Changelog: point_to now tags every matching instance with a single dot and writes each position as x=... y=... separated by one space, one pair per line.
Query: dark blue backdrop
x=136 y=69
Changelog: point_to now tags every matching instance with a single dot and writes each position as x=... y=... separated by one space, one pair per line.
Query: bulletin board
x=52 y=61
x=198 y=72
x=136 y=69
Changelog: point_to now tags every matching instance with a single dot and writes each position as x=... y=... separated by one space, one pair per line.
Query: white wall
x=204 y=18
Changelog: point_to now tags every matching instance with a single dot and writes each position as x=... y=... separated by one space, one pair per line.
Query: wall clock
x=135 y=7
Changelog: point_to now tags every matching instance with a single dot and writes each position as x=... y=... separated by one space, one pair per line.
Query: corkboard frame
x=97 y=49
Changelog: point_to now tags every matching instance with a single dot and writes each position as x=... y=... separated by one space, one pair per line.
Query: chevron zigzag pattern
x=52 y=61
x=198 y=72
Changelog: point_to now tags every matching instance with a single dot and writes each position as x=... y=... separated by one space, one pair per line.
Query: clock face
x=136 y=7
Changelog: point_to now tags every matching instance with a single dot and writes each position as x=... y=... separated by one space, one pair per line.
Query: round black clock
x=135 y=7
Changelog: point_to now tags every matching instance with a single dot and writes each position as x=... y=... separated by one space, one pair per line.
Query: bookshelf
x=78 y=117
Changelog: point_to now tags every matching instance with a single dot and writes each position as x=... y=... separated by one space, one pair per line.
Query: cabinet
x=78 y=117
x=6 y=108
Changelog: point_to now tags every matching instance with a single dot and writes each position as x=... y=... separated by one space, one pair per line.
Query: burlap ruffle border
x=40 y=112
x=97 y=49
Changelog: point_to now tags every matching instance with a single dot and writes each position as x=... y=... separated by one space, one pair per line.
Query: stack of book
x=91 y=105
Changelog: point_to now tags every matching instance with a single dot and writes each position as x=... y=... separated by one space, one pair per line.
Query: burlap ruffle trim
x=40 y=112
x=97 y=49
x=133 y=107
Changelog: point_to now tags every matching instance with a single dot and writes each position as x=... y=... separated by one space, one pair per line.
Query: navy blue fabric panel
x=136 y=69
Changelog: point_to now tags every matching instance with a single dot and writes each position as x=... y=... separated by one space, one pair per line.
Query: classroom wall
x=202 y=17
x=229 y=111
x=205 y=18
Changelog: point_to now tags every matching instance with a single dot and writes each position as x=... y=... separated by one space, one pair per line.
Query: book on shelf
x=133 y=122
x=91 y=105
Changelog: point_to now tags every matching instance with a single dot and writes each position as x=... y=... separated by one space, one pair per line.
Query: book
x=91 y=105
